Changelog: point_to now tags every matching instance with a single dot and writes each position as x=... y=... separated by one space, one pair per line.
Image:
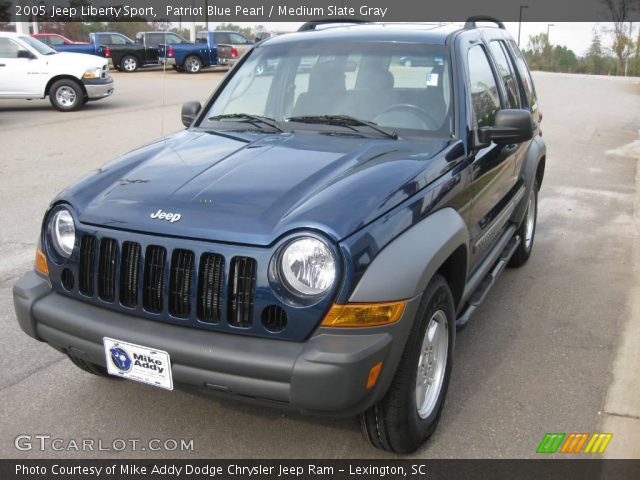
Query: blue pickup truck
x=124 y=53
x=211 y=49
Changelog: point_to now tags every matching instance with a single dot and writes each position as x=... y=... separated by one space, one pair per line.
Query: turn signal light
x=374 y=373
x=363 y=314
x=41 y=263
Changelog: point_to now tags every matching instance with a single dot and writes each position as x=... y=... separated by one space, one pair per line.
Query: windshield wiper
x=255 y=120
x=343 y=121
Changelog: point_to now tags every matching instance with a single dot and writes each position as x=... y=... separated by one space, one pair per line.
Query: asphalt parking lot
x=554 y=348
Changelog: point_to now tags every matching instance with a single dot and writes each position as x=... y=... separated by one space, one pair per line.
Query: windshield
x=401 y=87
x=38 y=46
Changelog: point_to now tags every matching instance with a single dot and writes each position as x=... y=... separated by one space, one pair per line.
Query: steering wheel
x=427 y=118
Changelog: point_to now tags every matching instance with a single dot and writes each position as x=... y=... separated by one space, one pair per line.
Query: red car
x=53 y=39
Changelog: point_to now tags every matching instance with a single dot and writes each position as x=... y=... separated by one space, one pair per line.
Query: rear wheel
x=66 y=95
x=527 y=230
x=129 y=63
x=192 y=64
x=408 y=414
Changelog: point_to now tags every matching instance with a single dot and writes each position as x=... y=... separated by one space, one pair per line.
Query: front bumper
x=327 y=374
x=98 y=88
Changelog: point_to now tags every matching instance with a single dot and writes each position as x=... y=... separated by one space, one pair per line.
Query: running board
x=481 y=291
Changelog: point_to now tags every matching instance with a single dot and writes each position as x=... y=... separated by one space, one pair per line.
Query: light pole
x=522 y=7
x=548 y=26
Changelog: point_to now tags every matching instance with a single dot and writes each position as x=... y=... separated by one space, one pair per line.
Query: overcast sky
x=574 y=35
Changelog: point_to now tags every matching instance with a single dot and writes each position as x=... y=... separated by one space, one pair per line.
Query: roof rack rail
x=471 y=21
x=309 y=26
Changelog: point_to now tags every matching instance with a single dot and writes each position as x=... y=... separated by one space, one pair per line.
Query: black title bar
x=304 y=10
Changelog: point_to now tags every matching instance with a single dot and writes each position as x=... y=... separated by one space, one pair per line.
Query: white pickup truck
x=30 y=69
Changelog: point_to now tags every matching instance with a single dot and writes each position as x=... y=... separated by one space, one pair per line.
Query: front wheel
x=66 y=95
x=192 y=64
x=527 y=230
x=408 y=414
x=129 y=63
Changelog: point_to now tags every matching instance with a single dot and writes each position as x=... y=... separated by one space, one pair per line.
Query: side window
x=103 y=39
x=483 y=87
x=237 y=39
x=54 y=40
x=506 y=73
x=173 y=38
x=118 y=40
x=528 y=90
x=8 y=48
x=223 y=38
x=154 y=39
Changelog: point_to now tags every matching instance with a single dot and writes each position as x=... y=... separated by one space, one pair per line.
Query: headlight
x=63 y=232
x=93 y=73
x=307 y=267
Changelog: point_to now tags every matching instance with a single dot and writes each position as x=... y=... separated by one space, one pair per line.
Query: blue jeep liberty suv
x=315 y=236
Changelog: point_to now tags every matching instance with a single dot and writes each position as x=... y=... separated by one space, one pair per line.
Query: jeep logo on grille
x=168 y=216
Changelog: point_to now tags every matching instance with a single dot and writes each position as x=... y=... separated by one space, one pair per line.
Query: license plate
x=135 y=362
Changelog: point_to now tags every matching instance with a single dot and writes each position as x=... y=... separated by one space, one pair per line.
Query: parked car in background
x=152 y=40
x=235 y=39
x=54 y=39
x=68 y=79
x=125 y=54
x=206 y=52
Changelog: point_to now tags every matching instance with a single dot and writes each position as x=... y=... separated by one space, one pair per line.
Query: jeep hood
x=253 y=188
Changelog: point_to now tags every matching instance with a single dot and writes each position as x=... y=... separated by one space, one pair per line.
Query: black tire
x=393 y=424
x=129 y=63
x=66 y=95
x=192 y=64
x=91 y=368
x=523 y=252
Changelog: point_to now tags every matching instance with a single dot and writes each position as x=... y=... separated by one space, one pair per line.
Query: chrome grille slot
x=107 y=269
x=154 y=267
x=86 y=265
x=180 y=283
x=242 y=291
x=129 y=273
x=210 y=284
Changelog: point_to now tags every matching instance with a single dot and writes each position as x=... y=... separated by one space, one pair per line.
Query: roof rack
x=471 y=21
x=309 y=26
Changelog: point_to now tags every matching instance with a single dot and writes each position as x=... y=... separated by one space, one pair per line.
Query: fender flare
x=537 y=150
x=403 y=269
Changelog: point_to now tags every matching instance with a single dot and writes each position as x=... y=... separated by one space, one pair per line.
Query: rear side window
x=52 y=40
x=506 y=73
x=526 y=82
x=222 y=38
x=483 y=87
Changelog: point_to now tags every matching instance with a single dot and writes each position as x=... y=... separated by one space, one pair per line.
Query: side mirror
x=509 y=126
x=189 y=112
x=25 y=54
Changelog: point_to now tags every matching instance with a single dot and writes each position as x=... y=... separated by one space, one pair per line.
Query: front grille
x=180 y=283
x=210 y=283
x=241 y=296
x=154 y=278
x=86 y=265
x=195 y=286
x=129 y=272
x=107 y=270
